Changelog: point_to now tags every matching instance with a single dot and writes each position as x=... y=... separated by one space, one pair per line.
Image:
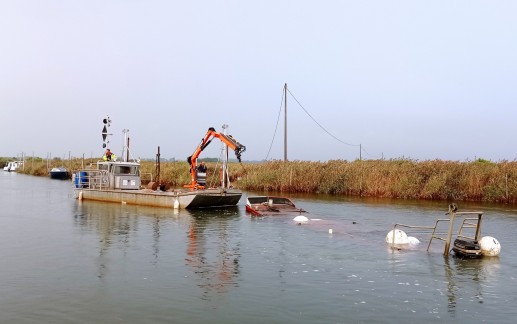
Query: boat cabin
x=121 y=175
x=110 y=175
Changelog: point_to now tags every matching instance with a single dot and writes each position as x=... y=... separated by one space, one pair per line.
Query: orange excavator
x=210 y=134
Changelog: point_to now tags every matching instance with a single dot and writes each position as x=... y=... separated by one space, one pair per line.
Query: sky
x=367 y=79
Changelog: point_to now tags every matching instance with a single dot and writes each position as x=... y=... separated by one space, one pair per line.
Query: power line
x=361 y=149
x=276 y=127
x=314 y=120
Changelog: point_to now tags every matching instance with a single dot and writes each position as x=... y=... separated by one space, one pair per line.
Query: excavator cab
x=201 y=178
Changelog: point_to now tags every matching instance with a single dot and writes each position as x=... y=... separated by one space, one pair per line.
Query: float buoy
x=413 y=240
x=400 y=237
x=489 y=246
x=300 y=219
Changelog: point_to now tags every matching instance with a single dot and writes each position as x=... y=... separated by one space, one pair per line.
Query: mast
x=285 y=122
x=224 y=183
x=125 y=149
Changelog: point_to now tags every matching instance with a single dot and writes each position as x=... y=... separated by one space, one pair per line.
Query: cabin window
x=125 y=170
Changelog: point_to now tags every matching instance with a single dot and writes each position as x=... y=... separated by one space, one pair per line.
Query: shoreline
x=434 y=180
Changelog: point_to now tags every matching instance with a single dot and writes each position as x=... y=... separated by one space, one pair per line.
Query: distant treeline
x=478 y=180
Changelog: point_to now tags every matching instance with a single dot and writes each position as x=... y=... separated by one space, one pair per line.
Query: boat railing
x=92 y=179
x=414 y=227
x=146 y=177
x=467 y=223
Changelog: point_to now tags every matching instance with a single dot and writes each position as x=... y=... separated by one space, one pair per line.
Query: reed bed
x=402 y=178
x=479 y=180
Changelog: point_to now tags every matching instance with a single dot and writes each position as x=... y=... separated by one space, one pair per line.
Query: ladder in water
x=469 y=222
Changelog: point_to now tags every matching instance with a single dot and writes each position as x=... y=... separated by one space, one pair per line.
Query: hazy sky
x=416 y=79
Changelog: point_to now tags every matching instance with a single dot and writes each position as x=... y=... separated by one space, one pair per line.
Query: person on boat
x=201 y=167
x=108 y=156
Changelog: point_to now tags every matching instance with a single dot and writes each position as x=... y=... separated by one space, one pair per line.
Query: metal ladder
x=467 y=223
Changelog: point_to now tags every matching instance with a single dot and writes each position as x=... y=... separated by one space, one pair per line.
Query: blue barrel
x=82 y=180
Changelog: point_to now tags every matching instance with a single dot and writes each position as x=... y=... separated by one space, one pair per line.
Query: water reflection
x=466 y=278
x=212 y=249
x=111 y=223
x=213 y=253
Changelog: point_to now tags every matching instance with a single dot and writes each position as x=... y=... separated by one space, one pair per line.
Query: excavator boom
x=237 y=147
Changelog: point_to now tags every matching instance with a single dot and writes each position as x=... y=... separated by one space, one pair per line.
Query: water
x=64 y=261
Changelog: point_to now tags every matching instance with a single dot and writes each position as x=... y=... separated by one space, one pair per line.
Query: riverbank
x=478 y=180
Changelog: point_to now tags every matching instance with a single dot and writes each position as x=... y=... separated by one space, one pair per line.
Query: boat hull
x=178 y=198
x=468 y=249
x=59 y=175
x=271 y=206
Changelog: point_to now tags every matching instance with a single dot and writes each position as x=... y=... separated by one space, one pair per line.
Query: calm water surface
x=64 y=261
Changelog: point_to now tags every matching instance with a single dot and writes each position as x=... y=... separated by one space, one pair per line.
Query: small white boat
x=12 y=166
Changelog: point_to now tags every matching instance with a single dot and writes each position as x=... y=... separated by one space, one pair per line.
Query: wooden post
x=478 y=227
x=449 y=233
x=285 y=122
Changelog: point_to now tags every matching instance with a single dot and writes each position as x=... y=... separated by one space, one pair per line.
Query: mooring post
x=478 y=227
x=452 y=214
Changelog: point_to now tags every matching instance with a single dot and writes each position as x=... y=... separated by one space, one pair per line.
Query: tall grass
x=398 y=178
x=41 y=167
x=401 y=178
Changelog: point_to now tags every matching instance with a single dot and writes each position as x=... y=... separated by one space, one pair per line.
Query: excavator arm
x=237 y=147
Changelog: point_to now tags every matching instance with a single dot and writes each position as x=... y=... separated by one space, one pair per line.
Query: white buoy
x=80 y=195
x=400 y=237
x=489 y=246
x=300 y=219
x=330 y=230
x=176 y=204
x=413 y=240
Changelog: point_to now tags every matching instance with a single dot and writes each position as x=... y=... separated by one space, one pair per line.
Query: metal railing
x=468 y=222
x=92 y=179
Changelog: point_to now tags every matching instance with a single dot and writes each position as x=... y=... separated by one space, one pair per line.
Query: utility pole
x=285 y=122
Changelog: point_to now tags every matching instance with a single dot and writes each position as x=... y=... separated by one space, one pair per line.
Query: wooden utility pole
x=285 y=122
